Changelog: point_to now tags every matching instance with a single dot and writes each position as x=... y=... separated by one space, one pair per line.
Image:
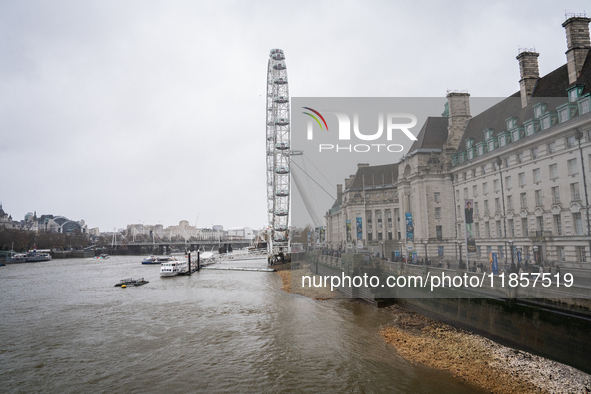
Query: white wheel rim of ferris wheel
x=278 y=154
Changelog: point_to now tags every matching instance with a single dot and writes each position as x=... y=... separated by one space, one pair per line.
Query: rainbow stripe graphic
x=315 y=118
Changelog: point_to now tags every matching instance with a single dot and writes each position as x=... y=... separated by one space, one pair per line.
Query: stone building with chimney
x=524 y=163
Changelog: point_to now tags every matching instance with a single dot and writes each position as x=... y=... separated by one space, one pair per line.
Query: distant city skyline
x=118 y=112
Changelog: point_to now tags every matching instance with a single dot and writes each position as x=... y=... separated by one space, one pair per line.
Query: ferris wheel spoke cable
x=320 y=172
x=313 y=180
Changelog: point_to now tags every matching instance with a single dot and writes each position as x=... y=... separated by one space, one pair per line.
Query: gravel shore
x=478 y=360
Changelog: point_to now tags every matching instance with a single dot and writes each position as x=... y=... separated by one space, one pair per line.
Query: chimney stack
x=339 y=194
x=577 y=42
x=459 y=115
x=530 y=73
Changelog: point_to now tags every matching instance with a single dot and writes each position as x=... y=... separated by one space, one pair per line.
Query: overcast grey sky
x=121 y=112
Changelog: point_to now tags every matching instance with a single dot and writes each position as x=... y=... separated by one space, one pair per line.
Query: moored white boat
x=32 y=256
x=174 y=267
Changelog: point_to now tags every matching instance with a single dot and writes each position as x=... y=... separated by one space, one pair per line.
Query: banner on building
x=410 y=229
x=359 y=228
x=348 y=224
x=494 y=264
x=469 y=225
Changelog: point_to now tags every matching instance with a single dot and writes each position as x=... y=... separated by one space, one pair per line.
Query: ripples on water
x=64 y=327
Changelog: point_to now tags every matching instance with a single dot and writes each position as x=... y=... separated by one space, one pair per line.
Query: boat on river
x=157 y=259
x=32 y=256
x=131 y=282
x=174 y=267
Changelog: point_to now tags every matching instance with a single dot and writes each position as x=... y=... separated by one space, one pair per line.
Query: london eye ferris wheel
x=278 y=156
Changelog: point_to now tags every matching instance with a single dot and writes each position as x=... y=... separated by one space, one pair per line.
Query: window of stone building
x=496 y=185
x=486 y=206
x=465 y=192
x=484 y=167
x=440 y=251
x=509 y=202
x=389 y=218
x=508 y=182
x=540 y=223
x=476 y=211
x=501 y=252
x=437 y=197
x=511 y=227
x=572 y=166
x=571 y=142
x=524 y=227
x=556 y=195
x=581 y=255
x=551 y=147
x=534 y=153
x=499 y=229
x=537 y=175
x=584 y=106
x=498 y=204
x=546 y=123
x=379 y=236
x=437 y=212
x=486 y=230
x=578 y=223
x=475 y=191
x=561 y=254
x=563 y=115
x=473 y=172
x=539 y=198
x=485 y=187
x=439 y=232
x=553 y=169
x=520 y=158
x=521 y=178
x=505 y=161
x=558 y=224
x=369 y=237
x=523 y=200
x=477 y=229
x=573 y=94
x=574 y=192
x=389 y=236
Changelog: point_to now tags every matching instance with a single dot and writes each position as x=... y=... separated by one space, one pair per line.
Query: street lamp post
x=460 y=246
x=512 y=257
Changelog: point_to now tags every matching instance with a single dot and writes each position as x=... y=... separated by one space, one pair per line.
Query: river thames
x=64 y=327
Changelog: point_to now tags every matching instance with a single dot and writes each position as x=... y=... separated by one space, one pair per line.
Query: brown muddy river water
x=64 y=327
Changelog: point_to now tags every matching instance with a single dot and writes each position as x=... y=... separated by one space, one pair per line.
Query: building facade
x=523 y=164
